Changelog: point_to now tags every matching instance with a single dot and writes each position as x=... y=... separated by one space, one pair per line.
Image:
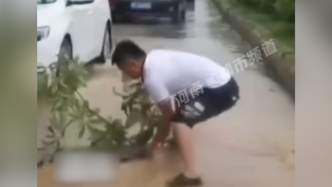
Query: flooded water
x=252 y=145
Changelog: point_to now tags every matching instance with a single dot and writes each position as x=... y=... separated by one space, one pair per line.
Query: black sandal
x=181 y=180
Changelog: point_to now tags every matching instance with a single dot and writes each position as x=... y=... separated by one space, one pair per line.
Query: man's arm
x=161 y=97
x=163 y=129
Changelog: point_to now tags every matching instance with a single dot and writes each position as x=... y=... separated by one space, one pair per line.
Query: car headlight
x=42 y=33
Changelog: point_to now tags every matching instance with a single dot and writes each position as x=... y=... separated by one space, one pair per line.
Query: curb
x=277 y=64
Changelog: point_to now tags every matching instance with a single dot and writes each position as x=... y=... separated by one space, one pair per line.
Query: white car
x=73 y=28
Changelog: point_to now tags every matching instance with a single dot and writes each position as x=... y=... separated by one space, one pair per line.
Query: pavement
x=252 y=145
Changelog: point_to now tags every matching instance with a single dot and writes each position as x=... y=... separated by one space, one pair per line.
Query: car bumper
x=158 y=8
x=47 y=51
x=137 y=15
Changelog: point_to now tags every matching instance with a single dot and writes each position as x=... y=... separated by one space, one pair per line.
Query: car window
x=45 y=1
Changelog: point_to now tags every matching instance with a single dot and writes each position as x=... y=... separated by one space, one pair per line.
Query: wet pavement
x=252 y=145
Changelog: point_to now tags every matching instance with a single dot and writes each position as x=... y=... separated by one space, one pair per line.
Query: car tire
x=179 y=13
x=107 y=46
x=66 y=51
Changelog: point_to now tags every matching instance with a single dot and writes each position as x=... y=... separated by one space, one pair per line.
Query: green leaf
x=93 y=130
x=86 y=104
x=64 y=96
x=54 y=88
x=145 y=136
x=96 y=134
x=66 y=126
x=77 y=104
x=133 y=117
x=62 y=83
x=95 y=140
x=74 y=115
x=82 y=131
x=118 y=123
x=119 y=135
x=62 y=118
x=95 y=122
x=58 y=105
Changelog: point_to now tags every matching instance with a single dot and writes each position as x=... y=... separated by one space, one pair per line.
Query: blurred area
x=18 y=86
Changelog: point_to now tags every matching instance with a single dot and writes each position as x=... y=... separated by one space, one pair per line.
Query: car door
x=83 y=27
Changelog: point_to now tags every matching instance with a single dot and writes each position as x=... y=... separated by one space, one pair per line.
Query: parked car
x=73 y=28
x=129 y=9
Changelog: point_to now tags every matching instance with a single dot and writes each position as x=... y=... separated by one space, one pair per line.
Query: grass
x=282 y=32
x=268 y=27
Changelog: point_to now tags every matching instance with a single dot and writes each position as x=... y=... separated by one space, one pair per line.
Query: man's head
x=129 y=57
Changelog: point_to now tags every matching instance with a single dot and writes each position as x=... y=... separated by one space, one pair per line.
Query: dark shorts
x=210 y=103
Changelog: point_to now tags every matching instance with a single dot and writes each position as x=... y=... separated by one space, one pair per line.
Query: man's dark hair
x=124 y=50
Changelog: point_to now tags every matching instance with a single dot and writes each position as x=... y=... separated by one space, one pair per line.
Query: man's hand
x=154 y=146
x=151 y=148
x=163 y=129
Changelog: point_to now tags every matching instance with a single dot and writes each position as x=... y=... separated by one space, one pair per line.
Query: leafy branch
x=60 y=85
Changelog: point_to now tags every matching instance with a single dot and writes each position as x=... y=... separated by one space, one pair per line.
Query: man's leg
x=184 y=137
x=190 y=177
x=211 y=103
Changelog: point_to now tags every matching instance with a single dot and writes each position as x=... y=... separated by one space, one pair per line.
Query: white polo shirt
x=167 y=73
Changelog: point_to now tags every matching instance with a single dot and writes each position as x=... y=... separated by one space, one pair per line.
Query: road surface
x=252 y=145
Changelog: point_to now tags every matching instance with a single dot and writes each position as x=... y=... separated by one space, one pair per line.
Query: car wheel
x=66 y=52
x=107 y=46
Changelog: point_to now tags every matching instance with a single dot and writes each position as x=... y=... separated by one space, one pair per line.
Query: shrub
x=283 y=10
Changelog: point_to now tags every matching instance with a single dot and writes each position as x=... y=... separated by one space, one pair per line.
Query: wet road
x=252 y=145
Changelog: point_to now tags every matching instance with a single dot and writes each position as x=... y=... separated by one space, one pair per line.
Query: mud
x=252 y=145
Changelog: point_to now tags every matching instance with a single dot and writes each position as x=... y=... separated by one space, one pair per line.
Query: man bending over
x=188 y=90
